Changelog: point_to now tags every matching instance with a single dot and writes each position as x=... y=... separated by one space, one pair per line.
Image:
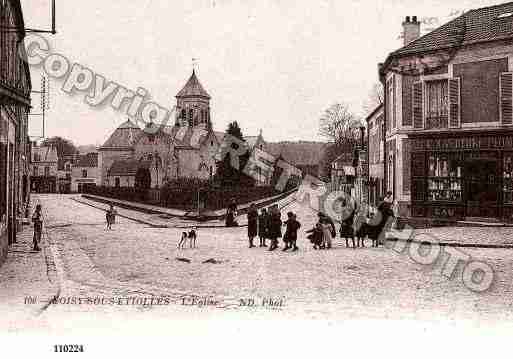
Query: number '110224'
x=72 y=348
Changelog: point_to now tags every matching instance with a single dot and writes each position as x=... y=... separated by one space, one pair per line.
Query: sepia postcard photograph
x=256 y=178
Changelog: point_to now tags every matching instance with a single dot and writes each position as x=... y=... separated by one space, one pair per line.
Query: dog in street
x=192 y=235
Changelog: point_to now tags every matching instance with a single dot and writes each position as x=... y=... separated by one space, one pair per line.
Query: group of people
x=268 y=225
x=361 y=223
x=357 y=224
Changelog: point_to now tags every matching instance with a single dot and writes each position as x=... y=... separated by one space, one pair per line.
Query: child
x=316 y=235
x=37 y=219
x=263 y=227
x=290 y=237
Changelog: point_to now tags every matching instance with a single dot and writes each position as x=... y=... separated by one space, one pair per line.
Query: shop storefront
x=465 y=175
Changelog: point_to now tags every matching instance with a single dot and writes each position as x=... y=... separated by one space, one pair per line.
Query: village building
x=85 y=172
x=375 y=155
x=449 y=117
x=44 y=169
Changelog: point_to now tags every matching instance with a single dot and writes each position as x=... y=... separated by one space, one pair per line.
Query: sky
x=274 y=65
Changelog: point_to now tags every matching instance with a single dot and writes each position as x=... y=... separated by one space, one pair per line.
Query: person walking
x=263 y=227
x=37 y=219
x=231 y=213
x=275 y=224
x=252 y=224
x=290 y=237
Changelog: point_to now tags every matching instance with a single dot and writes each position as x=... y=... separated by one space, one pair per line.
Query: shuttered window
x=506 y=98
x=418 y=111
x=454 y=103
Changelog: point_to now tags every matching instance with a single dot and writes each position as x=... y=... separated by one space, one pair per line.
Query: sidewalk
x=26 y=273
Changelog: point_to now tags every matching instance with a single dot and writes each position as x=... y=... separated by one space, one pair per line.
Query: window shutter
x=506 y=98
x=454 y=103
x=418 y=108
x=394 y=103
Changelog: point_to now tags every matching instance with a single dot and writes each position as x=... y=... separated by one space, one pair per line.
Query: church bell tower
x=193 y=105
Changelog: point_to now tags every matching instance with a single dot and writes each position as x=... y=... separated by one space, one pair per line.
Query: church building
x=133 y=157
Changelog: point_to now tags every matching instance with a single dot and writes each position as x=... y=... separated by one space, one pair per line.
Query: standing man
x=263 y=227
x=274 y=227
x=37 y=219
x=252 y=224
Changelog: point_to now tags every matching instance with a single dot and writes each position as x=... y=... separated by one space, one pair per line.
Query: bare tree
x=376 y=97
x=337 y=124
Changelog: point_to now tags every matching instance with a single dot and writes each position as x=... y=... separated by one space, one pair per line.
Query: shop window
x=437 y=113
x=507 y=179
x=444 y=179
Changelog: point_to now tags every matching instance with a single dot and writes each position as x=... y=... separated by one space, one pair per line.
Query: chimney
x=411 y=29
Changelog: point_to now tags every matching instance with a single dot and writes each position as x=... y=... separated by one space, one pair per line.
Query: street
x=135 y=260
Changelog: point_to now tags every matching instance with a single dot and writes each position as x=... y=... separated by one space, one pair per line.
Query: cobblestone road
x=136 y=260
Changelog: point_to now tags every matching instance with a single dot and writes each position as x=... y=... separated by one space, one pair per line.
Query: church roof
x=124 y=136
x=193 y=88
x=183 y=136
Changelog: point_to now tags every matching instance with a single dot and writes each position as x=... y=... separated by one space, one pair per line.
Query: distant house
x=304 y=155
x=44 y=170
x=85 y=172
x=343 y=173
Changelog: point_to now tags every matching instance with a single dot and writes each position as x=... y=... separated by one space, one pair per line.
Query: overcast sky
x=270 y=64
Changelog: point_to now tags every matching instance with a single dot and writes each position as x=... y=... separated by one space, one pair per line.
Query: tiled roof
x=124 y=136
x=300 y=153
x=127 y=167
x=46 y=153
x=89 y=160
x=473 y=26
x=193 y=88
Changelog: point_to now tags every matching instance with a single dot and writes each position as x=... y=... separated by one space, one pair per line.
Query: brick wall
x=480 y=89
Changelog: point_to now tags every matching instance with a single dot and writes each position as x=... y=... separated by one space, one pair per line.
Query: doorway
x=481 y=187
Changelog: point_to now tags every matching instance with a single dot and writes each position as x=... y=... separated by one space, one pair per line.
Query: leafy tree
x=226 y=174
